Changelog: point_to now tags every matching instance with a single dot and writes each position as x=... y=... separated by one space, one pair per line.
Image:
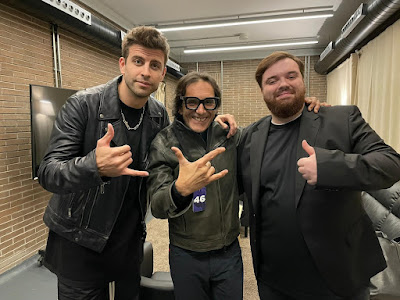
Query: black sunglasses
x=192 y=103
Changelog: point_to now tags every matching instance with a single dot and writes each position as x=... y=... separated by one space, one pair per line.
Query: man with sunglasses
x=205 y=257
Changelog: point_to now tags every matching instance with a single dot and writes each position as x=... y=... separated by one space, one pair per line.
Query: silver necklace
x=127 y=124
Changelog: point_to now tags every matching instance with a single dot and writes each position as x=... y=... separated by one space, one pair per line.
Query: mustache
x=144 y=82
x=283 y=89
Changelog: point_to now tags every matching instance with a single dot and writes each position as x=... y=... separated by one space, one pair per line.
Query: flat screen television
x=45 y=104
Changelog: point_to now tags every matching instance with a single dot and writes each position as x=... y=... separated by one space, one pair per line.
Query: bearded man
x=303 y=174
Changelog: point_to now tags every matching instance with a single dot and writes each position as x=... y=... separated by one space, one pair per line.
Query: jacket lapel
x=120 y=137
x=151 y=126
x=257 y=146
x=110 y=111
x=309 y=126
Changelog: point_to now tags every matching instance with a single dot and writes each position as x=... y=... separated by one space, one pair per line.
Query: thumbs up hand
x=114 y=161
x=196 y=175
x=308 y=165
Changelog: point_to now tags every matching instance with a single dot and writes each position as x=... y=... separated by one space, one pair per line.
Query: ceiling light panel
x=246 y=21
x=250 y=47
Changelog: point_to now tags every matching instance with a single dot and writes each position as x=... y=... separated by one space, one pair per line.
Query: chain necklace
x=127 y=124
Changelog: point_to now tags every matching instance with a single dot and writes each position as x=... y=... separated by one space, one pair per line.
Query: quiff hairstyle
x=188 y=79
x=145 y=36
x=273 y=58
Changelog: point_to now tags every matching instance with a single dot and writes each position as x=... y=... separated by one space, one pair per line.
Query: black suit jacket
x=351 y=157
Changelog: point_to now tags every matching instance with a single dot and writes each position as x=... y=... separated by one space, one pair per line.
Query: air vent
x=329 y=49
x=123 y=34
x=355 y=18
x=173 y=65
x=72 y=9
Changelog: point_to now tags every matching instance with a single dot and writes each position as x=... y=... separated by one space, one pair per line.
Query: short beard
x=286 y=109
x=137 y=93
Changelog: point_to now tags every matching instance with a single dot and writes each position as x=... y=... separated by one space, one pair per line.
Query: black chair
x=157 y=285
x=383 y=208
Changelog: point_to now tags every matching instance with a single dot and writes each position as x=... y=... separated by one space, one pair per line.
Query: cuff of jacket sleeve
x=181 y=202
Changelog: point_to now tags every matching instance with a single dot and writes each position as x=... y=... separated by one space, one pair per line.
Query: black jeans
x=125 y=289
x=207 y=275
x=268 y=293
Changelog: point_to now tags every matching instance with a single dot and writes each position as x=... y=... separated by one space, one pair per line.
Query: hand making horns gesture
x=196 y=175
x=114 y=161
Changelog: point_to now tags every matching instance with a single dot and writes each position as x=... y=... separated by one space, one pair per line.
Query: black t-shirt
x=123 y=251
x=285 y=261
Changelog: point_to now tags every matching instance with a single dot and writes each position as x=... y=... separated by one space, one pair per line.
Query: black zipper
x=143 y=221
x=91 y=209
x=71 y=201
x=84 y=208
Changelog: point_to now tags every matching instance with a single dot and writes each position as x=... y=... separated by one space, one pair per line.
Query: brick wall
x=26 y=58
x=84 y=65
x=318 y=86
x=170 y=86
x=241 y=94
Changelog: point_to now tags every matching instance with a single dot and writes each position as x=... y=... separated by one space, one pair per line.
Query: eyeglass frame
x=201 y=101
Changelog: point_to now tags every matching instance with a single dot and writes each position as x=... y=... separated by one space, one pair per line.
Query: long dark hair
x=185 y=81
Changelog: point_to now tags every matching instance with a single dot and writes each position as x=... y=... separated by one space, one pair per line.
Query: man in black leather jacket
x=95 y=166
x=98 y=146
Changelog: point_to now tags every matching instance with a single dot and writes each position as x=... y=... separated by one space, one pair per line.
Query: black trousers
x=268 y=293
x=125 y=289
x=207 y=275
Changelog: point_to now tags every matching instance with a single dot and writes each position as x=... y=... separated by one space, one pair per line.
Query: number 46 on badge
x=199 y=200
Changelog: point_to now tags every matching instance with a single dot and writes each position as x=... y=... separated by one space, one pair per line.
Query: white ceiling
x=128 y=13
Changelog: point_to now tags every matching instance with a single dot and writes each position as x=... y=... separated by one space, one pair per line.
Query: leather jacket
x=218 y=225
x=85 y=206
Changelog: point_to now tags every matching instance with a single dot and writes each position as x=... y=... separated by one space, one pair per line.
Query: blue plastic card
x=199 y=200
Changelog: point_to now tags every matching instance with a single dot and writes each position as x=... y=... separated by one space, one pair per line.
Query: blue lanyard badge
x=199 y=200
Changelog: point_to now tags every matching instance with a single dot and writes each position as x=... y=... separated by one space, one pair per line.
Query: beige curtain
x=370 y=79
x=378 y=84
x=160 y=93
x=341 y=82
